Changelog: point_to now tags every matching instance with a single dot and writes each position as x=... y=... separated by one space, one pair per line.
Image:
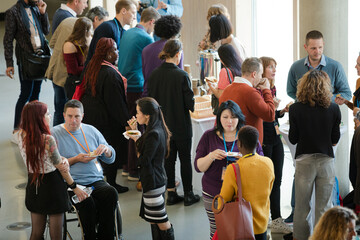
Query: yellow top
x=257 y=178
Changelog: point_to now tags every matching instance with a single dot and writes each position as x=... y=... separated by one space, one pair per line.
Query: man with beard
x=26 y=22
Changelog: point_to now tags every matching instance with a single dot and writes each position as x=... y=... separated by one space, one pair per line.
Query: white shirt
x=242 y=80
x=65 y=7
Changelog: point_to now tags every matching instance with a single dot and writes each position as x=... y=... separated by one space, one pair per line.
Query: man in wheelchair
x=83 y=145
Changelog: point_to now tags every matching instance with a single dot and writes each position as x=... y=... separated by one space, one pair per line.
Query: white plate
x=233 y=154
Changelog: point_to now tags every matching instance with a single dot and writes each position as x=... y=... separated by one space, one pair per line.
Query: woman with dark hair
x=221 y=30
x=153 y=146
x=74 y=51
x=231 y=68
x=46 y=193
x=167 y=27
x=337 y=223
x=315 y=128
x=213 y=10
x=171 y=87
x=273 y=148
x=105 y=104
x=212 y=155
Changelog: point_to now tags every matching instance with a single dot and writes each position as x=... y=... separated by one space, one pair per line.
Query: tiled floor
x=189 y=222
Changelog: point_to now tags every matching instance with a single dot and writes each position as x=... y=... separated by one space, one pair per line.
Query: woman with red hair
x=105 y=104
x=46 y=192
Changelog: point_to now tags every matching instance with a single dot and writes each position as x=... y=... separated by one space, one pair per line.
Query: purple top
x=150 y=61
x=210 y=141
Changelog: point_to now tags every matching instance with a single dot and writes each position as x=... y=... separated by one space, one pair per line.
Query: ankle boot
x=173 y=198
x=190 y=198
x=155 y=232
x=167 y=234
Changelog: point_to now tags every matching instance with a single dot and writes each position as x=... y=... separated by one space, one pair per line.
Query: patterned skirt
x=153 y=206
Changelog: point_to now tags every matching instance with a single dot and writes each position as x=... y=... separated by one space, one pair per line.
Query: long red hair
x=103 y=47
x=34 y=125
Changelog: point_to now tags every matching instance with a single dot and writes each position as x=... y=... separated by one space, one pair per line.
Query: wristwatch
x=73 y=185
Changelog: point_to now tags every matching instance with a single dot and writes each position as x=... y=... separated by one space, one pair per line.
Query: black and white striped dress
x=153 y=206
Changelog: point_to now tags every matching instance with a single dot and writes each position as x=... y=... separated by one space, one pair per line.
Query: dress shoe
x=139 y=186
x=173 y=198
x=121 y=189
x=190 y=198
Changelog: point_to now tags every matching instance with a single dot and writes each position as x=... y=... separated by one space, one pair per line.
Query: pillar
x=330 y=17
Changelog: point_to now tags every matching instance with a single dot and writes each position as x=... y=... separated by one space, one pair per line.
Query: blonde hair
x=333 y=224
x=217 y=9
x=314 y=88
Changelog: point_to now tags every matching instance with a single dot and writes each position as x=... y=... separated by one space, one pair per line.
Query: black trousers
x=275 y=152
x=98 y=208
x=183 y=147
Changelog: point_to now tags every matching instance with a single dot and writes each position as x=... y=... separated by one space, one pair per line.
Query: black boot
x=190 y=198
x=155 y=232
x=173 y=198
x=167 y=234
x=110 y=174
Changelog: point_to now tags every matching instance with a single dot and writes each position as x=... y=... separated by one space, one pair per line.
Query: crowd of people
x=108 y=81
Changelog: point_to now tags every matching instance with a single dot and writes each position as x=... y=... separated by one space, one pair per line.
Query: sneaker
x=279 y=226
x=15 y=137
x=290 y=218
x=133 y=178
x=125 y=173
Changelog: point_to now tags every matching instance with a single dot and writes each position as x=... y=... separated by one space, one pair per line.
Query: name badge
x=98 y=166
x=37 y=41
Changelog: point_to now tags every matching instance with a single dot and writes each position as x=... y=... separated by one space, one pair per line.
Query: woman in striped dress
x=153 y=146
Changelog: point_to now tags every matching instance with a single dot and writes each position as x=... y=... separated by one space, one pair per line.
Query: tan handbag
x=234 y=220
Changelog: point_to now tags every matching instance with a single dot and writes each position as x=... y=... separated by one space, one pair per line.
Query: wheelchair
x=73 y=216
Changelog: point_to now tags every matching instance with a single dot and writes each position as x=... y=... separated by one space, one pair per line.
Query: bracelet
x=73 y=185
x=358 y=115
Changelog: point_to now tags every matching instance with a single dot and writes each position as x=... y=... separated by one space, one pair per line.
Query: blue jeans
x=316 y=170
x=29 y=91
x=59 y=101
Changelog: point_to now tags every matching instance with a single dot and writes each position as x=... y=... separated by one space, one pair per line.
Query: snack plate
x=92 y=156
x=233 y=154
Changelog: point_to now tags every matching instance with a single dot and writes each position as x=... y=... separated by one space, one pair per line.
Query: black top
x=355 y=159
x=314 y=129
x=270 y=135
x=151 y=160
x=171 y=87
x=107 y=111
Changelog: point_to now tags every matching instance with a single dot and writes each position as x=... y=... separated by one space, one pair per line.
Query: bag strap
x=238 y=179
x=228 y=73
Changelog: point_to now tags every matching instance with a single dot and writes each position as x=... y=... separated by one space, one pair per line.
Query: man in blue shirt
x=71 y=9
x=130 y=65
x=83 y=145
x=317 y=60
x=125 y=14
x=164 y=7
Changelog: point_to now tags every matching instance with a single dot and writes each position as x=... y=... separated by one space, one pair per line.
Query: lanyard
x=80 y=48
x=248 y=155
x=357 y=102
x=111 y=65
x=118 y=37
x=33 y=21
x=88 y=151
x=232 y=144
